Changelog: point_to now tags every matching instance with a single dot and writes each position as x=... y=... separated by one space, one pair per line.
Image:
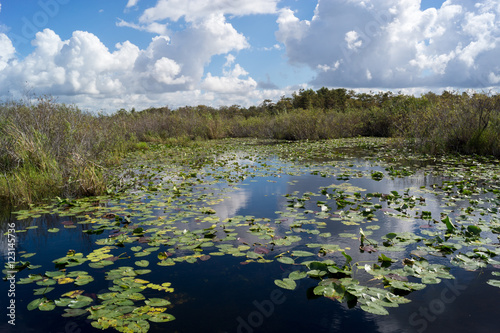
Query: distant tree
x=284 y=105
x=267 y=106
x=305 y=99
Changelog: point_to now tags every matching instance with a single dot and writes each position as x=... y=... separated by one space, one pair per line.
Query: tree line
x=48 y=148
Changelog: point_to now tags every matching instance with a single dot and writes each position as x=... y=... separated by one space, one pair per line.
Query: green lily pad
x=494 y=283
x=157 y=302
x=101 y=264
x=30 y=279
x=42 y=291
x=47 y=306
x=286 y=283
x=54 y=274
x=74 y=312
x=375 y=309
x=161 y=317
x=142 y=263
x=83 y=280
x=286 y=260
x=297 y=275
x=302 y=253
x=63 y=301
x=34 y=304
x=142 y=271
x=46 y=282
x=78 y=304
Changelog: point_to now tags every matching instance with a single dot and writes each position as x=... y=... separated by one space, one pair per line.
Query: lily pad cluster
x=166 y=211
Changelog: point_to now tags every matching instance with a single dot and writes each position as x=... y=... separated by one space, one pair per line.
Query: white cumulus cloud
x=196 y=9
x=166 y=70
x=7 y=51
x=232 y=81
x=82 y=69
x=153 y=27
x=131 y=3
x=84 y=65
x=394 y=44
x=353 y=40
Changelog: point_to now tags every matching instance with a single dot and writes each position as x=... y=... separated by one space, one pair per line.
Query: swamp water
x=244 y=236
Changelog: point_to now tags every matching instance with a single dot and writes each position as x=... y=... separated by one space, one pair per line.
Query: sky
x=104 y=55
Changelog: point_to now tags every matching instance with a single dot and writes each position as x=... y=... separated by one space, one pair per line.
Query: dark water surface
x=227 y=293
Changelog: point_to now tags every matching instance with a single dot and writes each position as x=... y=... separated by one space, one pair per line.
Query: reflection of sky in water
x=427 y=313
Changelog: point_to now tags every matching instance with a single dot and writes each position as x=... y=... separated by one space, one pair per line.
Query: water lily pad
x=167 y=262
x=54 y=274
x=383 y=258
x=74 y=312
x=302 y=253
x=142 y=263
x=286 y=260
x=286 y=283
x=261 y=250
x=100 y=264
x=142 y=271
x=46 y=282
x=163 y=255
x=347 y=235
x=253 y=255
x=160 y=317
x=42 y=291
x=375 y=309
x=494 y=283
x=83 y=280
x=63 y=301
x=79 y=303
x=34 y=304
x=64 y=280
x=157 y=302
x=297 y=275
x=47 y=305
x=73 y=294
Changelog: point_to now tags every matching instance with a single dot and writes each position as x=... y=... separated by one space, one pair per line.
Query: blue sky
x=109 y=54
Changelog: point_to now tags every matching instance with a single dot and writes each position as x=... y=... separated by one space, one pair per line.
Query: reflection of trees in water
x=6 y=218
x=39 y=237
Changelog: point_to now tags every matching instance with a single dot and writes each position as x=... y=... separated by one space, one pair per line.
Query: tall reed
x=49 y=149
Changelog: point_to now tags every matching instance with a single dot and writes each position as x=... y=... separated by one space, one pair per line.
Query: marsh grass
x=48 y=148
x=457 y=123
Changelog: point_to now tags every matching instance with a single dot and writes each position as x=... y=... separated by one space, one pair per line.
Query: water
x=255 y=203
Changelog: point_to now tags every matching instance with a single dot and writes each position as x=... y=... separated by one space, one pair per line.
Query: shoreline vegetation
x=49 y=149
